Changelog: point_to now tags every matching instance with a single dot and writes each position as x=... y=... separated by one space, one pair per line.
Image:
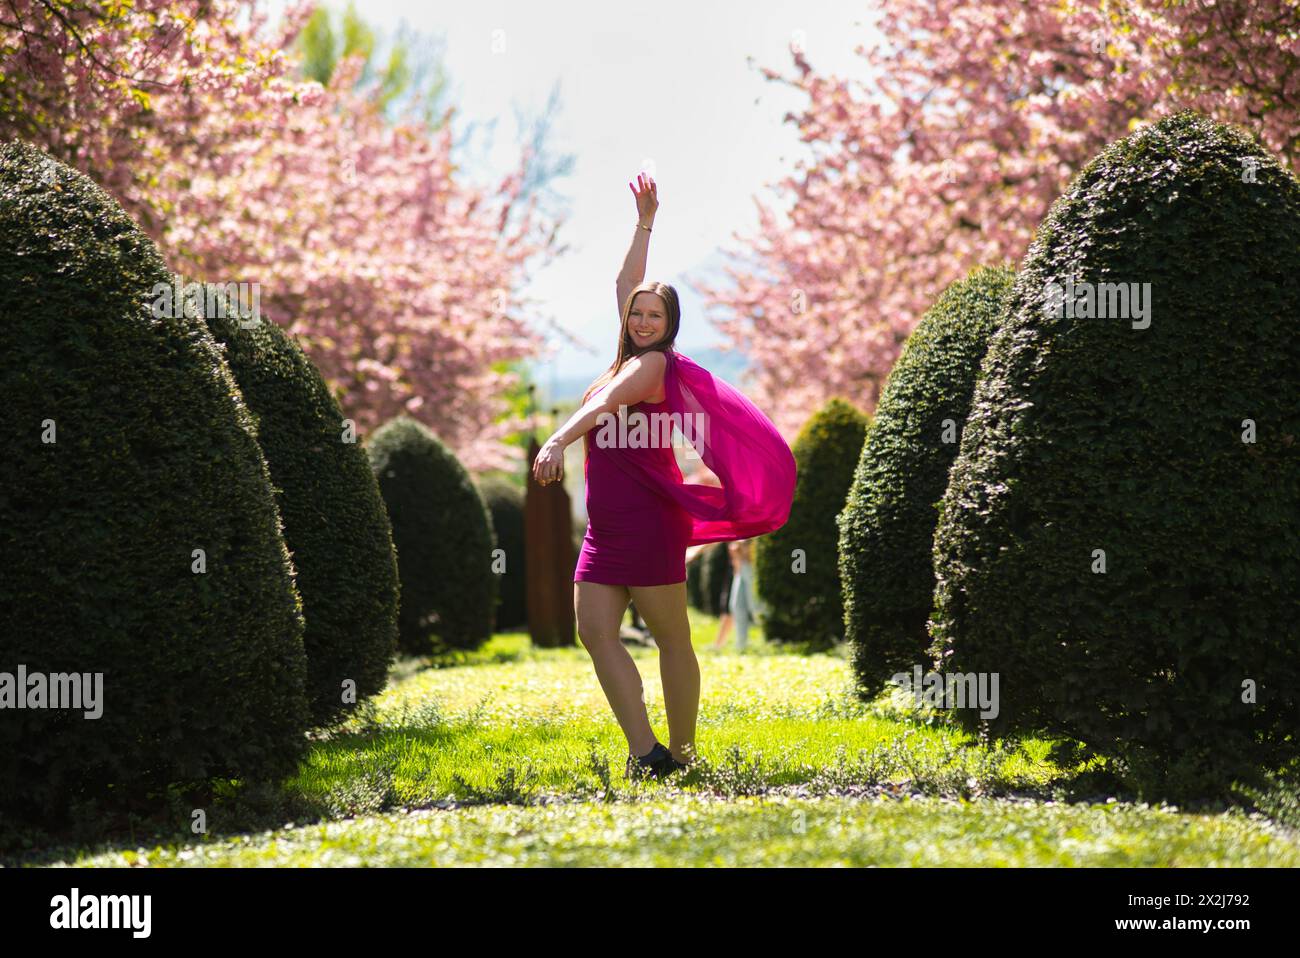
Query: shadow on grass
x=411 y=758
x=357 y=780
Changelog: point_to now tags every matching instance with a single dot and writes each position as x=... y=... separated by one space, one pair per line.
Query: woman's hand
x=549 y=465
x=647 y=198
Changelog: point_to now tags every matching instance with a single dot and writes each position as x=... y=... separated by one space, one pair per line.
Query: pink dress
x=641 y=515
x=635 y=535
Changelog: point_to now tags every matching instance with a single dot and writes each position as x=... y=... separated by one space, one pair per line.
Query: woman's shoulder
x=656 y=364
x=652 y=359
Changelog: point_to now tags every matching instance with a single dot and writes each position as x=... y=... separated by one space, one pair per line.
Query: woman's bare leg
x=664 y=609
x=599 y=609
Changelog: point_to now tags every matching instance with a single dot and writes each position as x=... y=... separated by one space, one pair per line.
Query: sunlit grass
x=693 y=830
x=510 y=755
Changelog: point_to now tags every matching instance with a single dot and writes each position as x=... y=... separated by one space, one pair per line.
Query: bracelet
x=644 y=227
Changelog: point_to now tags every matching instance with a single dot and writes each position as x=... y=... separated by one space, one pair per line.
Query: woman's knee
x=595 y=637
x=599 y=611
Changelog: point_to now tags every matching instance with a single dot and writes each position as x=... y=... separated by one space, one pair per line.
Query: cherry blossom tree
x=400 y=278
x=969 y=120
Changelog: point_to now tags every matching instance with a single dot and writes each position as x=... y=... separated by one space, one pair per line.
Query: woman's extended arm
x=633 y=271
x=641 y=377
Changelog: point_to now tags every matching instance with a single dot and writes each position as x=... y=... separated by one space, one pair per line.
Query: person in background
x=722 y=589
x=721 y=593
x=741 y=604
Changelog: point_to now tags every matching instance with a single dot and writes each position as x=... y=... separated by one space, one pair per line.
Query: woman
x=642 y=516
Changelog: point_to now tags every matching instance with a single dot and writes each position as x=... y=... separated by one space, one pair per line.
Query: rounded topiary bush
x=128 y=449
x=1108 y=542
x=505 y=502
x=443 y=534
x=335 y=524
x=796 y=569
x=887 y=526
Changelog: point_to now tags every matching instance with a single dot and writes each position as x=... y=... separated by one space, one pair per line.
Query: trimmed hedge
x=505 y=502
x=335 y=524
x=887 y=526
x=155 y=456
x=443 y=534
x=715 y=573
x=804 y=604
x=694 y=583
x=1090 y=434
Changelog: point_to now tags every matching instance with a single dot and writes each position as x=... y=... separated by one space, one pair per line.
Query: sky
x=670 y=88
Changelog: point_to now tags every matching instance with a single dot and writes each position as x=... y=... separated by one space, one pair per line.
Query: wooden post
x=548 y=545
x=563 y=559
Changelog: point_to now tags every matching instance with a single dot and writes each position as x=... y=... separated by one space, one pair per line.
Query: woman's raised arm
x=633 y=271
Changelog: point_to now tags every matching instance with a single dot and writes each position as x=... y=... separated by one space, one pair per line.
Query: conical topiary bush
x=335 y=523
x=443 y=534
x=1118 y=535
x=138 y=534
x=796 y=568
x=887 y=526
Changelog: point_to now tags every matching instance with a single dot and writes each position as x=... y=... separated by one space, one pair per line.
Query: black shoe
x=657 y=763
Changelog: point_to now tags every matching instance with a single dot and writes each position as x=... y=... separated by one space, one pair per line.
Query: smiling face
x=648 y=320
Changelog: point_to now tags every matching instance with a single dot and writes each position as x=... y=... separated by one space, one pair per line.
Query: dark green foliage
x=505 y=502
x=887 y=526
x=715 y=574
x=156 y=456
x=335 y=524
x=443 y=534
x=1088 y=434
x=803 y=600
x=694 y=579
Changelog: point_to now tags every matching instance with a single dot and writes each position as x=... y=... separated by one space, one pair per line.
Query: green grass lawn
x=510 y=756
x=689 y=829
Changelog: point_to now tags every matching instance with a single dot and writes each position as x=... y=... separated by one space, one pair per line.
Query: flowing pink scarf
x=738 y=444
